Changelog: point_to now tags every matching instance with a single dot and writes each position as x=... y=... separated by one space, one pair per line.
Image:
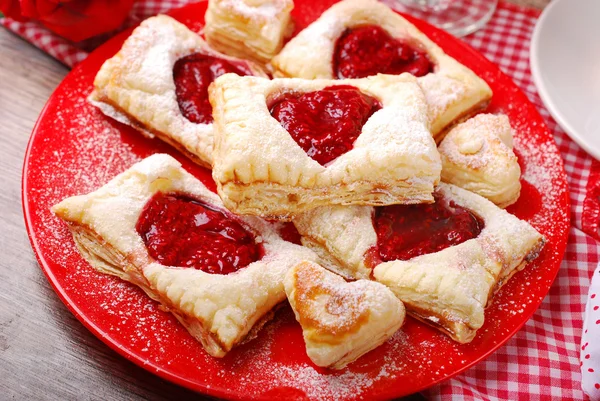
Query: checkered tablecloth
x=542 y=361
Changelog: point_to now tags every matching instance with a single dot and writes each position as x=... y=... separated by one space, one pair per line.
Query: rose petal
x=45 y=7
x=81 y=19
x=12 y=9
x=28 y=9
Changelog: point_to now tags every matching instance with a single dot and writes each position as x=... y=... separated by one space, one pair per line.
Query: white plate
x=565 y=64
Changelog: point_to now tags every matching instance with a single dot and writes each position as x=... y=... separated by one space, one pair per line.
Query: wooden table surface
x=45 y=353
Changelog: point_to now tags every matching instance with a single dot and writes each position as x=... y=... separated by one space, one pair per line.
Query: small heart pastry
x=477 y=155
x=340 y=321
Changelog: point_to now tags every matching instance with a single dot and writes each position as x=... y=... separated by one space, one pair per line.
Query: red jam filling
x=325 y=123
x=369 y=50
x=180 y=231
x=192 y=75
x=407 y=231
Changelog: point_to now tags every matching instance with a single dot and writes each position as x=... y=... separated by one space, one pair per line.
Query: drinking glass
x=458 y=17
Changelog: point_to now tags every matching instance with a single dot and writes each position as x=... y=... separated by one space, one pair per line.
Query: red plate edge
x=222 y=392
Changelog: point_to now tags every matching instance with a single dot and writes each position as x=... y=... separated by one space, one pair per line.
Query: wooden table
x=45 y=353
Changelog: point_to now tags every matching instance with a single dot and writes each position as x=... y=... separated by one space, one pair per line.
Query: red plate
x=74 y=149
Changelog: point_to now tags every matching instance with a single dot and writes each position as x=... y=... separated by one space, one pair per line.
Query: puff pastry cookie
x=137 y=86
x=477 y=155
x=250 y=29
x=450 y=286
x=340 y=321
x=115 y=230
x=261 y=170
x=453 y=91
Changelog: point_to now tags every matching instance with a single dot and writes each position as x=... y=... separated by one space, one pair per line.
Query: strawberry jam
x=182 y=232
x=325 y=123
x=406 y=231
x=369 y=50
x=192 y=75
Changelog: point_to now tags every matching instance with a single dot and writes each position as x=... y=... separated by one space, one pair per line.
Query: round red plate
x=74 y=149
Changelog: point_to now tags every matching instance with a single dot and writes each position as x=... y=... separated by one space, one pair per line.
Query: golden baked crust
x=340 y=321
x=220 y=311
x=453 y=91
x=136 y=86
x=448 y=289
x=259 y=168
x=249 y=29
x=477 y=155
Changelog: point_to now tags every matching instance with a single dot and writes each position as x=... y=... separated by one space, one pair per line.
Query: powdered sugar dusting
x=94 y=154
x=544 y=168
x=441 y=93
x=340 y=387
x=479 y=141
x=274 y=378
x=263 y=9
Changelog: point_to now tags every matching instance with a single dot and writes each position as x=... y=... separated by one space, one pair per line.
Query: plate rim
x=536 y=73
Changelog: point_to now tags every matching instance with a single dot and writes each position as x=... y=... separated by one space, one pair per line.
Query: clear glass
x=458 y=17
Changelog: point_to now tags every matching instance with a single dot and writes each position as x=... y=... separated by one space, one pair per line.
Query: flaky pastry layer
x=249 y=29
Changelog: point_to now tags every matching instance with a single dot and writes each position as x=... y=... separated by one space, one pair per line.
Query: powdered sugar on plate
x=543 y=169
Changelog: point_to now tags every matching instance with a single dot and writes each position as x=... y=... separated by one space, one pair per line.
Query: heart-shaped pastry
x=340 y=321
x=477 y=155
x=158 y=227
x=158 y=84
x=363 y=38
x=444 y=261
x=285 y=146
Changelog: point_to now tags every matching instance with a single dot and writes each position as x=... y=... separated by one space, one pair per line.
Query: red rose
x=11 y=9
x=75 y=20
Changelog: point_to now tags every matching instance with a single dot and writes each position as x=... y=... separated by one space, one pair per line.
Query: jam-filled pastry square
x=249 y=29
x=340 y=321
x=158 y=83
x=158 y=227
x=284 y=146
x=477 y=155
x=359 y=38
x=444 y=260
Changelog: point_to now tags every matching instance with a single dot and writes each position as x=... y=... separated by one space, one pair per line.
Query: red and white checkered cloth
x=71 y=54
x=542 y=360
